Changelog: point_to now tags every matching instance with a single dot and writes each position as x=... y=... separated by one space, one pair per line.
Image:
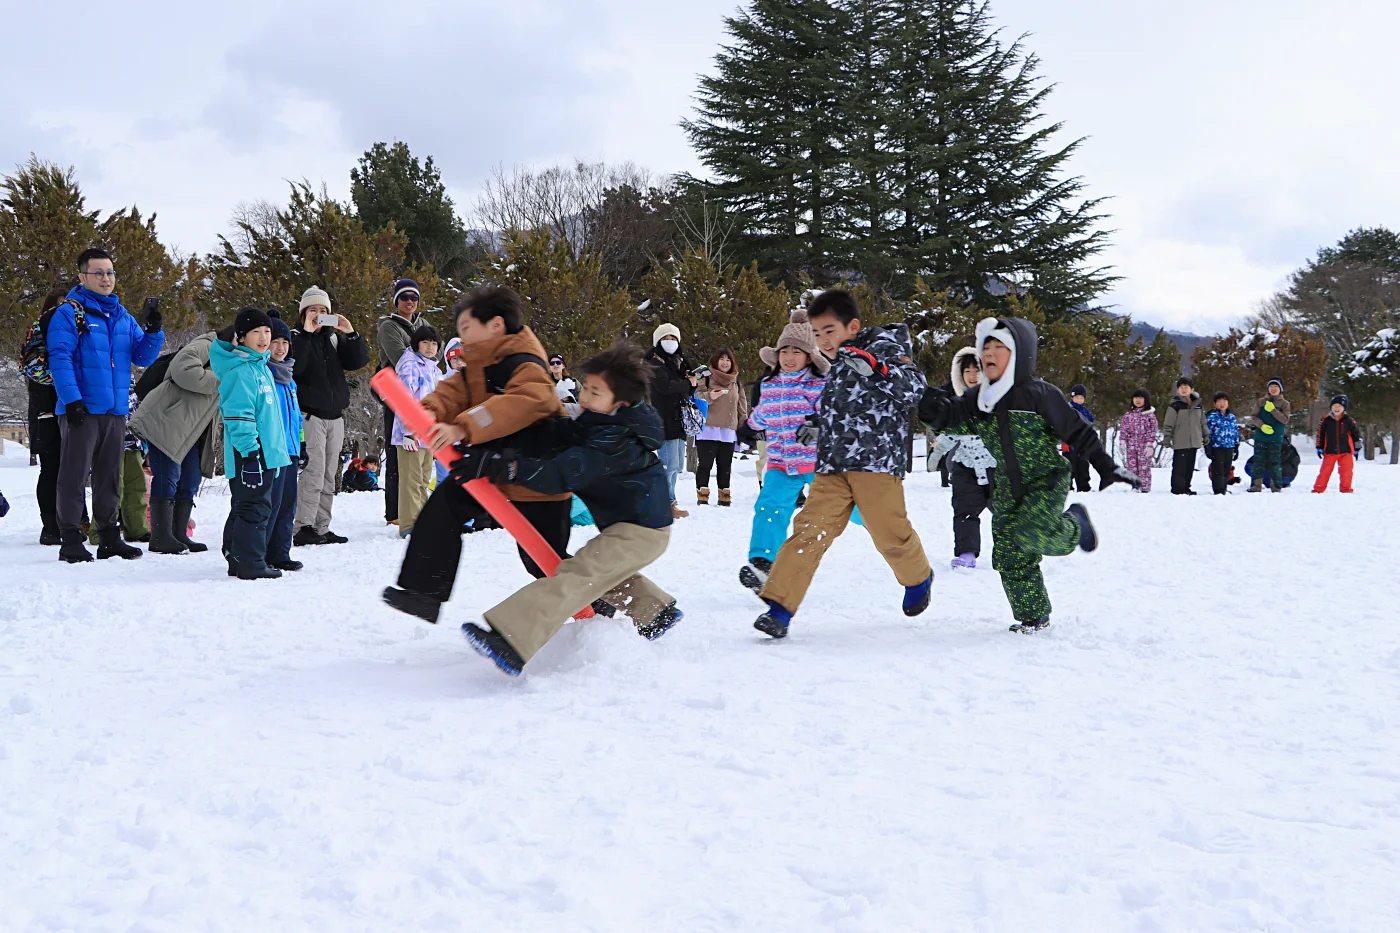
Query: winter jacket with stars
x=864 y=420
x=1021 y=419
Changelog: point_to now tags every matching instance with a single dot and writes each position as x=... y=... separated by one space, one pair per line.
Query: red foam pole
x=419 y=422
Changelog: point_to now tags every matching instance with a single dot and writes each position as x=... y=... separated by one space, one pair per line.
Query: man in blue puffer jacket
x=92 y=344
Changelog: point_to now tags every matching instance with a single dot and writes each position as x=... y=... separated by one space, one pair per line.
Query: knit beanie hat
x=280 y=330
x=1077 y=390
x=404 y=286
x=1341 y=400
x=1275 y=382
x=314 y=296
x=250 y=319
x=663 y=331
x=799 y=335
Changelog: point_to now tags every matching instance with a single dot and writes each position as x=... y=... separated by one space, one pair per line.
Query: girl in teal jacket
x=255 y=443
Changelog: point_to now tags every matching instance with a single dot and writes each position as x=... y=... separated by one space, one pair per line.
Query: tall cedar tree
x=887 y=140
x=391 y=185
x=769 y=125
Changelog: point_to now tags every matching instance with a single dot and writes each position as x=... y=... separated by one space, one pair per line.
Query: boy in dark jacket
x=1270 y=434
x=1023 y=420
x=860 y=429
x=610 y=461
x=1338 y=444
x=1078 y=463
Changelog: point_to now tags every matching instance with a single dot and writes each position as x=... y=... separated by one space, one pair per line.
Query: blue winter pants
x=672 y=454
x=245 y=531
x=284 y=512
x=773 y=511
x=171 y=480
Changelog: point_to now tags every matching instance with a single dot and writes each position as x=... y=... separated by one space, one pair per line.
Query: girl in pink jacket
x=1137 y=432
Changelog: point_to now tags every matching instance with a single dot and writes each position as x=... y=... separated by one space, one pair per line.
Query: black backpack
x=152 y=377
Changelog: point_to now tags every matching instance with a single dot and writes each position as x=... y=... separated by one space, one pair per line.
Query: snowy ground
x=1205 y=741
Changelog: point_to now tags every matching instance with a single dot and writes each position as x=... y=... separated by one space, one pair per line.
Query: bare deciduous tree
x=524 y=200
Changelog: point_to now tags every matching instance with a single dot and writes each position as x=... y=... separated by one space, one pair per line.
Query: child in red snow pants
x=1344 y=462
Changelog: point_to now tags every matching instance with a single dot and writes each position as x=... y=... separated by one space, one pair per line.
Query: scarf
x=107 y=304
x=282 y=370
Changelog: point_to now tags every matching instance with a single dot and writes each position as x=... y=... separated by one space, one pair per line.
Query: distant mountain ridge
x=1185 y=342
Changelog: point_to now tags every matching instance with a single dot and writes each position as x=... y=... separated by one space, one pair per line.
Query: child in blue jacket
x=1078 y=462
x=255 y=443
x=1224 y=447
x=284 y=490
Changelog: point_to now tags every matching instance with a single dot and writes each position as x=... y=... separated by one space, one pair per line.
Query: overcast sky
x=1234 y=137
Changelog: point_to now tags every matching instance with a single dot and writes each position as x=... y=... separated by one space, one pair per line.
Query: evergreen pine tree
x=391 y=185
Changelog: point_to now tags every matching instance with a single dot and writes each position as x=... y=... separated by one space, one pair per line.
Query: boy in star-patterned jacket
x=861 y=431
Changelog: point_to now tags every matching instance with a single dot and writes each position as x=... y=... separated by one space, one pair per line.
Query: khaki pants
x=316 y=485
x=606 y=567
x=830 y=500
x=415 y=470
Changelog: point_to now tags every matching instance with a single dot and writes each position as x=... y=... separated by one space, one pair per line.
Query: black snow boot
x=110 y=544
x=257 y=572
x=1030 y=628
x=49 y=536
x=665 y=620
x=330 y=537
x=180 y=525
x=1088 y=538
x=162 y=542
x=305 y=536
x=73 y=550
x=754 y=574
x=288 y=564
x=421 y=605
x=490 y=644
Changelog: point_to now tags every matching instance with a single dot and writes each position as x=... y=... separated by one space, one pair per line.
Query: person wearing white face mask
x=671 y=385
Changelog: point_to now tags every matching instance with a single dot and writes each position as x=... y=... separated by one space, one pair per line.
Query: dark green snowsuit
x=1028 y=419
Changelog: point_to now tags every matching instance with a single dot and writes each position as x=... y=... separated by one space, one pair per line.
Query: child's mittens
x=409 y=443
x=474 y=463
x=862 y=362
x=1319 y=453
x=1118 y=474
x=4 y=505
x=809 y=432
x=250 y=470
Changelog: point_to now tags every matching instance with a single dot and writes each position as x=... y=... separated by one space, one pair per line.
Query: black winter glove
x=302 y=458
x=474 y=463
x=250 y=470
x=4 y=506
x=1118 y=474
x=152 y=323
x=77 y=414
x=808 y=434
x=504 y=468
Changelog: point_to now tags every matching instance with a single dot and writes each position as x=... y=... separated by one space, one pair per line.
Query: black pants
x=282 y=513
x=1079 y=467
x=47 y=444
x=389 y=476
x=720 y=455
x=245 y=531
x=94 y=446
x=435 y=547
x=1183 y=467
x=970 y=498
x=1220 y=460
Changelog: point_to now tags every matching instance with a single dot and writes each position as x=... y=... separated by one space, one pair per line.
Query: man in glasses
x=394 y=337
x=92 y=344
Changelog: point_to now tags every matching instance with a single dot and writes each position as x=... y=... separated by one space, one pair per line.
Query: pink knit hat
x=797 y=334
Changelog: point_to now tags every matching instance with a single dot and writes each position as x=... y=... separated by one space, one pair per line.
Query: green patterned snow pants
x=1023 y=532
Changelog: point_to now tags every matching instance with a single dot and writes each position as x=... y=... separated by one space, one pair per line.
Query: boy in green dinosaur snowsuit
x=1022 y=421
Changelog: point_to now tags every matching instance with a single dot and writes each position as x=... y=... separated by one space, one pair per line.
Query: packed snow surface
x=1206 y=740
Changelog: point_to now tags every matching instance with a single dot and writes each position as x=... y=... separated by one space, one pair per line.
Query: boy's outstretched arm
x=942 y=410
x=1077 y=433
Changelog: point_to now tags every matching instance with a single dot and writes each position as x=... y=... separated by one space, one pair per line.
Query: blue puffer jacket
x=1224 y=428
x=95 y=366
x=248 y=402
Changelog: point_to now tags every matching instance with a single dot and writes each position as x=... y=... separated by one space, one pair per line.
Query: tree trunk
x=1395 y=439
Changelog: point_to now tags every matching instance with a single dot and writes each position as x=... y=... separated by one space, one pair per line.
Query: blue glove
x=1319 y=453
x=250 y=470
x=1356 y=455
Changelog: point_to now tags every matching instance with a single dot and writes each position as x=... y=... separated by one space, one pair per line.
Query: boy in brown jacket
x=503 y=397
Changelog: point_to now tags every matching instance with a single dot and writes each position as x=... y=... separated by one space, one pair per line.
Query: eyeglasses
x=408 y=299
x=102 y=273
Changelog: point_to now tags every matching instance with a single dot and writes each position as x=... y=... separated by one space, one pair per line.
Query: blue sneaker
x=916 y=598
x=1088 y=538
x=774 y=622
x=665 y=620
x=492 y=645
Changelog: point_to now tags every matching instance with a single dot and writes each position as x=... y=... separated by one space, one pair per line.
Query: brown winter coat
x=527 y=398
x=729 y=410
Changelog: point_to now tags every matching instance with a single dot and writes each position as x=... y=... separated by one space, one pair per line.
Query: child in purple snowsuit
x=1137 y=431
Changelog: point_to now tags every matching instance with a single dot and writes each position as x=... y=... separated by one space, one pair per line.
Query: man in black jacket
x=394 y=337
x=323 y=352
x=671 y=385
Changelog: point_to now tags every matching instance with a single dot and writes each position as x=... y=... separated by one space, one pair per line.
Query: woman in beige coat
x=729 y=408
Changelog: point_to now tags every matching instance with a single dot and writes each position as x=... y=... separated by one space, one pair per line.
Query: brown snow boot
x=724 y=497
x=702 y=496
x=678 y=512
